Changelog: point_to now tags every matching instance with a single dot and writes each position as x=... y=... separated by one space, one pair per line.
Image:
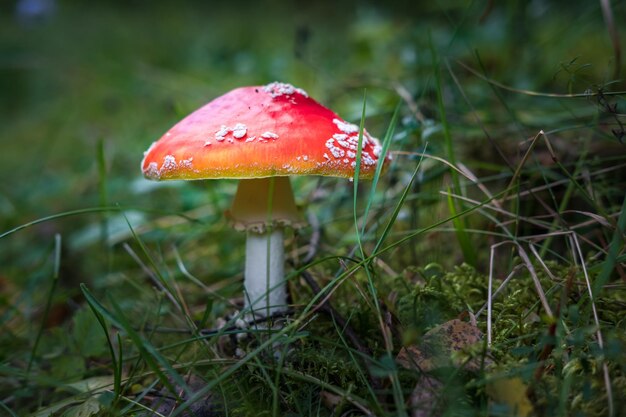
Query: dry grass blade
x=565 y=181
x=469 y=174
x=514 y=271
x=477 y=118
x=490 y=288
x=408 y=99
x=491 y=295
x=540 y=260
x=433 y=157
x=605 y=368
x=535 y=221
x=522 y=163
x=208 y=289
x=530 y=92
x=533 y=274
x=515 y=217
x=152 y=276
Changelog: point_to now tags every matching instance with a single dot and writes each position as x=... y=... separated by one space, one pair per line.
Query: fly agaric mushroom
x=261 y=135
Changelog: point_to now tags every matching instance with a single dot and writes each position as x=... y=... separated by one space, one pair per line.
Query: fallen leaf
x=440 y=347
x=93 y=384
x=330 y=400
x=453 y=335
x=86 y=409
x=88 y=335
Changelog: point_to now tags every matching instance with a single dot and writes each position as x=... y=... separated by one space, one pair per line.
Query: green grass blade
x=398 y=207
x=117 y=366
x=397 y=393
x=94 y=304
x=381 y=162
x=88 y=210
x=461 y=232
x=8 y=410
x=436 y=224
x=148 y=352
x=357 y=171
x=102 y=190
x=166 y=286
x=55 y=280
x=461 y=226
x=614 y=248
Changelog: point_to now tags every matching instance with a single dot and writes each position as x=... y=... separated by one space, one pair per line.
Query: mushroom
x=261 y=135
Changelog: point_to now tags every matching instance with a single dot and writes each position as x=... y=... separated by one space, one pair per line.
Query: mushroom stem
x=264 y=282
x=262 y=207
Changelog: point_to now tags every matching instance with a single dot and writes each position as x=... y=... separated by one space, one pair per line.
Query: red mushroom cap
x=262 y=131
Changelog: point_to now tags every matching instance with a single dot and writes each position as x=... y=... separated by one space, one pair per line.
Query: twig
x=234 y=327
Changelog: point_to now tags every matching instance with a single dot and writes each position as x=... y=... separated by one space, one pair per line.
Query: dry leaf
x=330 y=400
x=439 y=346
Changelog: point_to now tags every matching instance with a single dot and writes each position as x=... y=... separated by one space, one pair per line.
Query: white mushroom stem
x=264 y=282
x=262 y=206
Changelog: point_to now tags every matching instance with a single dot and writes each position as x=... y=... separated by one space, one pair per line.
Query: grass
x=500 y=221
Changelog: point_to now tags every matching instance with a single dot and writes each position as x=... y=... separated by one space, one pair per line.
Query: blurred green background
x=123 y=72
